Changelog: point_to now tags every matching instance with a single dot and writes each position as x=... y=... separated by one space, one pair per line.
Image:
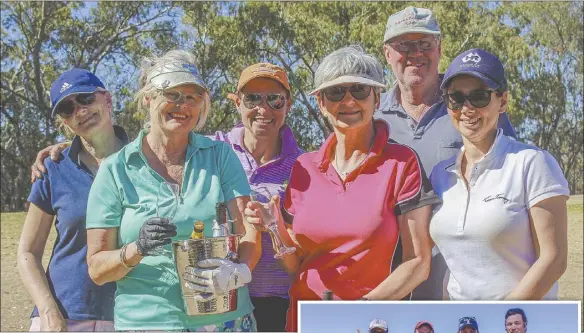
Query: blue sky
x=346 y=317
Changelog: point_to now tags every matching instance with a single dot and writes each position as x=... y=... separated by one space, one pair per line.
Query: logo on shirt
x=498 y=196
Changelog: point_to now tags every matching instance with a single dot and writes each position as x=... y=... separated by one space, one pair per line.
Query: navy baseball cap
x=74 y=81
x=467 y=321
x=480 y=64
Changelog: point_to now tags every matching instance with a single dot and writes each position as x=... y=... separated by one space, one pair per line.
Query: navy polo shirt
x=434 y=138
x=63 y=192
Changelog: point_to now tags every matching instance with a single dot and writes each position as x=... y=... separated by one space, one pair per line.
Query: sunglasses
x=337 y=93
x=408 y=45
x=274 y=101
x=478 y=99
x=175 y=96
x=66 y=108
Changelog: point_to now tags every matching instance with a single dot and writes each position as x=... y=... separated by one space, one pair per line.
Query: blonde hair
x=146 y=88
x=63 y=128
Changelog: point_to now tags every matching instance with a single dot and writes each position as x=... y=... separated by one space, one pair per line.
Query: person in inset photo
x=515 y=321
x=468 y=325
x=378 y=326
x=424 y=327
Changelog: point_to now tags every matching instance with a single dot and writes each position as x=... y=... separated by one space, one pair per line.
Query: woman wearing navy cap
x=502 y=227
x=65 y=297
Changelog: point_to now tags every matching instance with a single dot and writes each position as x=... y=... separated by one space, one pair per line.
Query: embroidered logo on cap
x=466 y=321
x=264 y=68
x=65 y=87
x=474 y=57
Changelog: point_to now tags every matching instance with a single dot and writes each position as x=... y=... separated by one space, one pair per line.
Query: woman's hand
x=38 y=168
x=155 y=232
x=216 y=276
x=53 y=321
x=258 y=216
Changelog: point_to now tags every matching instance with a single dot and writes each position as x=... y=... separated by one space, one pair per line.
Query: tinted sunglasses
x=337 y=93
x=66 y=108
x=478 y=99
x=274 y=101
x=175 y=96
x=408 y=45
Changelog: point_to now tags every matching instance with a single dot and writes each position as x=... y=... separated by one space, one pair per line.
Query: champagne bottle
x=220 y=224
x=198 y=230
x=327 y=295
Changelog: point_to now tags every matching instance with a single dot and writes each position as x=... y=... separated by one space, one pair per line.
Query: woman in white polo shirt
x=502 y=226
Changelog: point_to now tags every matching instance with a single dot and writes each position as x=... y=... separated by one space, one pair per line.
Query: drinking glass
x=167 y=200
x=263 y=196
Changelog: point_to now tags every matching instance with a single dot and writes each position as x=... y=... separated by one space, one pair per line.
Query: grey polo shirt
x=434 y=138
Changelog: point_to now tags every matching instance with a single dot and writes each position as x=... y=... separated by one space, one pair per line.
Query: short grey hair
x=146 y=88
x=349 y=60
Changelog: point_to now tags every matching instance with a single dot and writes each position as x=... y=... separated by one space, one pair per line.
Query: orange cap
x=266 y=70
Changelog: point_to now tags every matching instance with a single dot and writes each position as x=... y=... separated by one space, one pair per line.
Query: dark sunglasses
x=337 y=93
x=65 y=109
x=478 y=99
x=275 y=101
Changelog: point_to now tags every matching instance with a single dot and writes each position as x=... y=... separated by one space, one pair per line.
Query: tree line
x=540 y=43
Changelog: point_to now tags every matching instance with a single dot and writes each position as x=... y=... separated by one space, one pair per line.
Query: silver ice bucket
x=188 y=253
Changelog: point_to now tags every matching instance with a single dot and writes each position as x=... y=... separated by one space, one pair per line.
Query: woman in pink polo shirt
x=348 y=203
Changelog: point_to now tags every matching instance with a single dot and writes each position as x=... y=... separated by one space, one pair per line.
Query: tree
x=40 y=40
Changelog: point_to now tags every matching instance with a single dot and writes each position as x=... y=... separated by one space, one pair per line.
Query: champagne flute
x=167 y=200
x=263 y=196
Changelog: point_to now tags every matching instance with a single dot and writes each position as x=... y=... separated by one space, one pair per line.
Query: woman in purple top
x=266 y=148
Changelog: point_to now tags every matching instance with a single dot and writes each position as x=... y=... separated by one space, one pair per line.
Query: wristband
x=123 y=256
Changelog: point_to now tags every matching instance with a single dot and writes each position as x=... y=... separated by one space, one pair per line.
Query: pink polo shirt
x=348 y=230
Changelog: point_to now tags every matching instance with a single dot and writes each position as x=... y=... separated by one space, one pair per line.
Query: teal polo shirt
x=123 y=196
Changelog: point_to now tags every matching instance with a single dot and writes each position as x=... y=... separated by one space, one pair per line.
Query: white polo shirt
x=484 y=233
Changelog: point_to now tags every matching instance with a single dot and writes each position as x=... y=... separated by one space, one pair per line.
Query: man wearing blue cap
x=468 y=325
x=65 y=297
x=414 y=109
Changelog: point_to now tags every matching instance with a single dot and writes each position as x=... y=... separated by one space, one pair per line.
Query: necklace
x=345 y=174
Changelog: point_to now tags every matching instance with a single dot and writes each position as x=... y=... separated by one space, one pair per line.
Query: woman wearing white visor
x=125 y=228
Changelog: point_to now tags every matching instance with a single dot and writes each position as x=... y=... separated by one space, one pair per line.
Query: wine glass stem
x=273 y=229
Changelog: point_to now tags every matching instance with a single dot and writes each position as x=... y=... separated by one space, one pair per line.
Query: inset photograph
x=440 y=317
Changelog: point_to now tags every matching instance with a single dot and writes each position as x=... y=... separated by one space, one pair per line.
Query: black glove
x=155 y=232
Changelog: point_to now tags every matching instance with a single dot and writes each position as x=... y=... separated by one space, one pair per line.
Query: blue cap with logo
x=468 y=321
x=74 y=81
x=480 y=64
x=411 y=20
